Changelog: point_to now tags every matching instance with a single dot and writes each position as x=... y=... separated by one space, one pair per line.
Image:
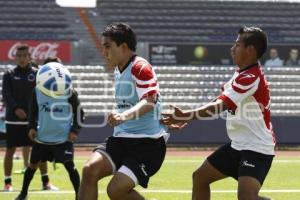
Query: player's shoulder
x=249 y=76
x=141 y=67
x=10 y=71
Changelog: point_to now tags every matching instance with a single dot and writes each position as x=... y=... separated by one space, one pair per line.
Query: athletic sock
x=7 y=179
x=74 y=175
x=28 y=175
x=45 y=179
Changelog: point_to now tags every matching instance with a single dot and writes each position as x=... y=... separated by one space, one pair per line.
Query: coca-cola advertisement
x=40 y=50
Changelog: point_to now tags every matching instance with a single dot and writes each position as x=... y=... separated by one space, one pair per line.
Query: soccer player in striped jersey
x=137 y=148
x=246 y=98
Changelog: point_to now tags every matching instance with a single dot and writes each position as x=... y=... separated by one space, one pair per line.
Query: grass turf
x=172 y=182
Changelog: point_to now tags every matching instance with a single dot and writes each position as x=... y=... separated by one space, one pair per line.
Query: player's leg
x=12 y=142
x=64 y=153
x=46 y=185
x=248 y=189
x=219 y=165
x=28 y=175
x=97 y=167
x=37 y=154
x=23 y=141
x=252 y=173
x=202 y=178
x=142 y=158
x=121 y=186
x=25 y=153
x=73 y=175
x=8 y=165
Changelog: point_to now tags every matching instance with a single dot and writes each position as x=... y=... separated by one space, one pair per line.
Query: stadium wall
x=198 y=132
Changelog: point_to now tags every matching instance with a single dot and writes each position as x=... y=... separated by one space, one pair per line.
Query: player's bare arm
x=145 y=105
x=179 y=116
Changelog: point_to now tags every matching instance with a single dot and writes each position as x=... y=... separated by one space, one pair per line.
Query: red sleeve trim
x=152 y=93
x=230 y=104
x=146 y=85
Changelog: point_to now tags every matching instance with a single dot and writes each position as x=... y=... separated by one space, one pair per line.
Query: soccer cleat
x=8 y=188
x=50 y=187
x=21 y=197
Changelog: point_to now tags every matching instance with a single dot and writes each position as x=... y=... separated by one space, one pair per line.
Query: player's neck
x=126 y=61
x=247 y=63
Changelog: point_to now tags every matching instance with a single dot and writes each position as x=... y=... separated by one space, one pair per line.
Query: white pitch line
x=201 y=160
x=165 y=191
x=187 y=161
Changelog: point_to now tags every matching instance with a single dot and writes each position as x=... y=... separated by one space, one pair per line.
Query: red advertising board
x=40 y=50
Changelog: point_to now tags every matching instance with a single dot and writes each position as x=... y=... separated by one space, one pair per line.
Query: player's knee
x=198 y=178
x=10 y=151
x=114 y=191
x=33 y=166
x=90 y=173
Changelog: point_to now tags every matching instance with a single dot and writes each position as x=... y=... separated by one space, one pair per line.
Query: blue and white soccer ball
x=54 y=80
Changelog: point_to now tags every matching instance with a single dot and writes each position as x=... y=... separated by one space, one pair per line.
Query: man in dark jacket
x=18 y=84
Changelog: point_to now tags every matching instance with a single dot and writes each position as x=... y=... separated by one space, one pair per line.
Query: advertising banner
x=203 y=54
x=40 y=50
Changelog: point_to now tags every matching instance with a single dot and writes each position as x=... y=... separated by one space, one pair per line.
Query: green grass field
x=172 y=182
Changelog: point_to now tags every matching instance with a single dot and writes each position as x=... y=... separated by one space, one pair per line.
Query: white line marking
x=201 y=160
x=161 y=191
x=187 y=161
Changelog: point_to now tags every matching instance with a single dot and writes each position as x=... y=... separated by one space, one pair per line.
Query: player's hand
x=20 y=113
x=177 y=119
x=114 y=119
x=72 y=137
x=32 y=134
x=177 y=126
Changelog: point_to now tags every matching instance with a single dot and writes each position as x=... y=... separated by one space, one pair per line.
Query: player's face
x=22 y=58
x=239 y=52
x=111 y=52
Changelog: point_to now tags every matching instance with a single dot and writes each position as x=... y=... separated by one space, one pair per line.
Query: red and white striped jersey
x=145 y=78
x=247 y=97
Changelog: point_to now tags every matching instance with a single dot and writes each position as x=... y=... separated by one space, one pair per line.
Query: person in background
x=293 y=58
x=274 y=60
x=18 y=84
x=2 y=121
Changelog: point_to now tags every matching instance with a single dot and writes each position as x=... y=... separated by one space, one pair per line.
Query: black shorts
x=59 y=153
x=236 y=163
x=143 y=156
x=2 y=136
x=17 y=136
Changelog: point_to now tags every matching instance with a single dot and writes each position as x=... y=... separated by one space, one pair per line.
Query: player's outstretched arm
x=179 y=116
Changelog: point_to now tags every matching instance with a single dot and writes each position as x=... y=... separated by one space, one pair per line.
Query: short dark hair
x=23 y=47
x=51 y=59
x=121 y=33
x=256 y=37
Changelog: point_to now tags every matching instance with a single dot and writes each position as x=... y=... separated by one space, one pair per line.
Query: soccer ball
x=54 y=80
